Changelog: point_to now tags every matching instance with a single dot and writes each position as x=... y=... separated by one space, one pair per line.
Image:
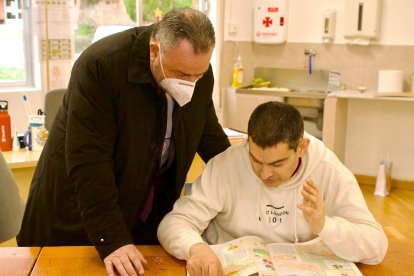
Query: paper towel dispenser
x=362 y=18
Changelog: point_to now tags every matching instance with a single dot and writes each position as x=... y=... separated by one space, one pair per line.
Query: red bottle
x=5 y=129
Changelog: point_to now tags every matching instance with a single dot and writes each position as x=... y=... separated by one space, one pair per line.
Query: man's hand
x=203 y=261
x=127 y=260
x=313 y=207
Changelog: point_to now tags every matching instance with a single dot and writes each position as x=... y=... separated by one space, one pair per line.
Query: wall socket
x=233 y=27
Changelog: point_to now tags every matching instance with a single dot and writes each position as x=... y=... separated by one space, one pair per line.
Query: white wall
x=305 y=21
x=215 y=13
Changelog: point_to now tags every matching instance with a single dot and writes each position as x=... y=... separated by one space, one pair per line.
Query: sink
x=296 y=87
x=297 y=79
x=283 y=92
x=305 y=102
x=272 y=88
x=310 y=90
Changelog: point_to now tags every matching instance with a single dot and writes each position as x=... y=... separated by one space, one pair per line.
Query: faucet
x=310 y=53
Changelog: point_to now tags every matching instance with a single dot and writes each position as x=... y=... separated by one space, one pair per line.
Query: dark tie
x=150 y=199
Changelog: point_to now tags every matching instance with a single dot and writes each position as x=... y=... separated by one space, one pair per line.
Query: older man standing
x=138 y=107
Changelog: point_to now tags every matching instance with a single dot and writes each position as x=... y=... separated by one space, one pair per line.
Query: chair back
x=53 y=101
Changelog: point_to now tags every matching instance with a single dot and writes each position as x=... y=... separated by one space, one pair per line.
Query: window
x=16 y=47
x=97 y=18
x=89 y=18
x=153 y=10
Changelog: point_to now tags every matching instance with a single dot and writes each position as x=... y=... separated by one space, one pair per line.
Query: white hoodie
x=229 y=201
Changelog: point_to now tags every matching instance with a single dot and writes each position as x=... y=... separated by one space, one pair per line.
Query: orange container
x=5 y=128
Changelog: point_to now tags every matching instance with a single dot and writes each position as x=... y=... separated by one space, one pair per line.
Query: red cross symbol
x=267 y=21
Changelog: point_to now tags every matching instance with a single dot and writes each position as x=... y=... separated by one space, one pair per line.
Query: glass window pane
x=153 y=10
x=99 y=18
x=91 y=14
x=13 y=65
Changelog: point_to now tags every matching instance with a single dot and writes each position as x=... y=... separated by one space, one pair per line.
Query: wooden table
x=399 y=260
x=84 y=260
x=16 y=261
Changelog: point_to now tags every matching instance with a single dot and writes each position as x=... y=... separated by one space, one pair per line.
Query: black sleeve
x=90 y=140
x=213 y=139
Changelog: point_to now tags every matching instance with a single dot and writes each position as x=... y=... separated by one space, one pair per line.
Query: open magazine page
x=310 y=258
x=244 y=256
x=250 y=256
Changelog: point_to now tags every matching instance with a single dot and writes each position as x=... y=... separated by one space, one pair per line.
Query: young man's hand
x=126 y=260
x=203 y=261
x=313 y=207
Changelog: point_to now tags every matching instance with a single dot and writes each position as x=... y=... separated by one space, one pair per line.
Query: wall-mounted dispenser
x=362 y=18
x=270 y=21
x=328 y=26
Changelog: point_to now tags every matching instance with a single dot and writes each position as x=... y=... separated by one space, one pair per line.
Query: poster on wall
x=58 y=49
x=57 y=16
x=59 y=72
x=53 y=27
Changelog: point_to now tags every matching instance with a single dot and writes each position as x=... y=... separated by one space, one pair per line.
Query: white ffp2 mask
x=180 y=90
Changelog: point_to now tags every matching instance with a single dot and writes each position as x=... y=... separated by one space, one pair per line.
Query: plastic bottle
x=238 y=73
x=5 y=129
x=16 y=143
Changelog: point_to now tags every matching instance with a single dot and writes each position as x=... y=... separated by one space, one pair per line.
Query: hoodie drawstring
x=295 y=219
x=258 y=200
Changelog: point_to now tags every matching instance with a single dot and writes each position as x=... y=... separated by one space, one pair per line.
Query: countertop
x=345 y=94
x=275 y=91
x=22 y=158
x=373 y=95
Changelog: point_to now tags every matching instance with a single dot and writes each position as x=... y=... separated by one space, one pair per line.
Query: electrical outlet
x=233 y=27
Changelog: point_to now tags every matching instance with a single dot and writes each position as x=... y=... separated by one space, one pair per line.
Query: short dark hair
x=275 y=122
x=185 y=23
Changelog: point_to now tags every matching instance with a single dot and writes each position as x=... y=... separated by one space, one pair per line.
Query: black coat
x=102 y=154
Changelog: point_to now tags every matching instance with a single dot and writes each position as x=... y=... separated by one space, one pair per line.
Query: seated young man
x=280 y=184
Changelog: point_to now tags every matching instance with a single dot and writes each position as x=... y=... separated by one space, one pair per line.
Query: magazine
x=248 y=256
